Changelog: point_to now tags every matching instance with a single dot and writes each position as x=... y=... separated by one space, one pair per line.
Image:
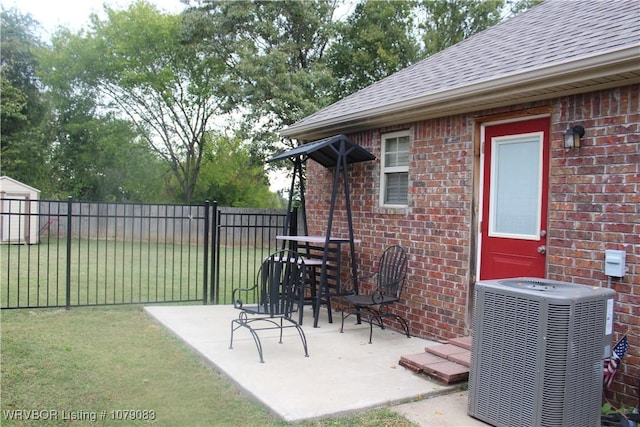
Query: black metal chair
x=388 y=285
x=279 y=294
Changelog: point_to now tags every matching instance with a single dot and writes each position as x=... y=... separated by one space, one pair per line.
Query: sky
x=74 y=14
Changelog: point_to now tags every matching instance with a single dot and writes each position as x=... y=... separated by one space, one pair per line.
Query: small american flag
x=611 y=363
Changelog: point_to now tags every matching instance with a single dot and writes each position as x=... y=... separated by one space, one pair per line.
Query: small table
x=319 y=242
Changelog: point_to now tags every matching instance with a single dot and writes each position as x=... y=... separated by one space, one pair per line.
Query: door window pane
x=516 y=182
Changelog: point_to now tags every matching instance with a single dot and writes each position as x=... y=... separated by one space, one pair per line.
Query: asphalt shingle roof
x=553 y=32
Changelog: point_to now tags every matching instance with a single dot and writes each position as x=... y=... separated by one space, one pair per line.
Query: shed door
x=514 y=206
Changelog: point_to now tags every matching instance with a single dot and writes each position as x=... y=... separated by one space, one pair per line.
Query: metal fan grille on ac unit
x=537 y=353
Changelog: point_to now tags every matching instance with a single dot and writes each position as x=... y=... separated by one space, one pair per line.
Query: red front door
x=514 y=199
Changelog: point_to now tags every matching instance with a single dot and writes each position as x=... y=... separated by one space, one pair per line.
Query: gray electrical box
x=614 y=263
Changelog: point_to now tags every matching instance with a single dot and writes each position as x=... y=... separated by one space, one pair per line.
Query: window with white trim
x=394 y=174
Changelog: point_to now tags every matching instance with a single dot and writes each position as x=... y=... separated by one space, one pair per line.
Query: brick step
x=464 y=342
x=448 y=363
x=451 y=352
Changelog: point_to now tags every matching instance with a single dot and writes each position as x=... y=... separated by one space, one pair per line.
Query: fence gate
x=243 y=238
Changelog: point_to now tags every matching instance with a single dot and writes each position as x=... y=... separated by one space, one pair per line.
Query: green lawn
x=115 y=362
x=113 y=272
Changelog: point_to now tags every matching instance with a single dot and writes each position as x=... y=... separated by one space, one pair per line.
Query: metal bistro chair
x=278 y=292
x=389 y=281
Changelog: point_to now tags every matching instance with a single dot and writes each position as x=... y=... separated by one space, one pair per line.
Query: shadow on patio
x=342 y=374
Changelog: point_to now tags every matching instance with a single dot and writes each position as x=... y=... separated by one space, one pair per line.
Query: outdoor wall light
x=572 y=136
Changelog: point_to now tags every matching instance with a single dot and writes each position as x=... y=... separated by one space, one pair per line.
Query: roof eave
x=584 y=74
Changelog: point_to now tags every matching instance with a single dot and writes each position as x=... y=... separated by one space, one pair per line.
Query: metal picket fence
x=68 y=253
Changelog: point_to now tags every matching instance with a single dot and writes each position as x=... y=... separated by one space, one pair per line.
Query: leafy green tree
x=382 y=37
x=375 y=41
x=517 y=6
x=138 y=64
x=232 y=177
x=103 y=159
x=24 y=146
x=274 y=54
x=447 y=22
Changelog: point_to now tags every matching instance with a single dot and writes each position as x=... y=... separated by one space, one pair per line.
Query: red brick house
x=472 y=175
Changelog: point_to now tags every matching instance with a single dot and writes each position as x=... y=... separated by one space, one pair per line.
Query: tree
x=24 y=148
x=376 y=40
x=232 y=177
x=141 y=67
x=273 y=52
x=381 y=37
x=102 y=158
x=518 y=6
x=447 y=22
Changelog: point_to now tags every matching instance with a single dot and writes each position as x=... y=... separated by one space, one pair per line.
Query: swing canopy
x=337 y=152
x=327 y=152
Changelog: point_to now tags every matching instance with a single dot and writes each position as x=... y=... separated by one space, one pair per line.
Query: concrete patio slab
x=343 y=373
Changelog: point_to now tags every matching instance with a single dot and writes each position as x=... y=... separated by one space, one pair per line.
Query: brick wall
x=593 y=206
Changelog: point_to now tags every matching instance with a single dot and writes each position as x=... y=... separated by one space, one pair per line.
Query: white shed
x=19 y=207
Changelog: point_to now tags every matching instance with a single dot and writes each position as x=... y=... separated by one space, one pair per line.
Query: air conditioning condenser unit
x=537 y=353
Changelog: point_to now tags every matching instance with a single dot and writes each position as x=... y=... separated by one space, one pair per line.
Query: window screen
x=395 y=169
